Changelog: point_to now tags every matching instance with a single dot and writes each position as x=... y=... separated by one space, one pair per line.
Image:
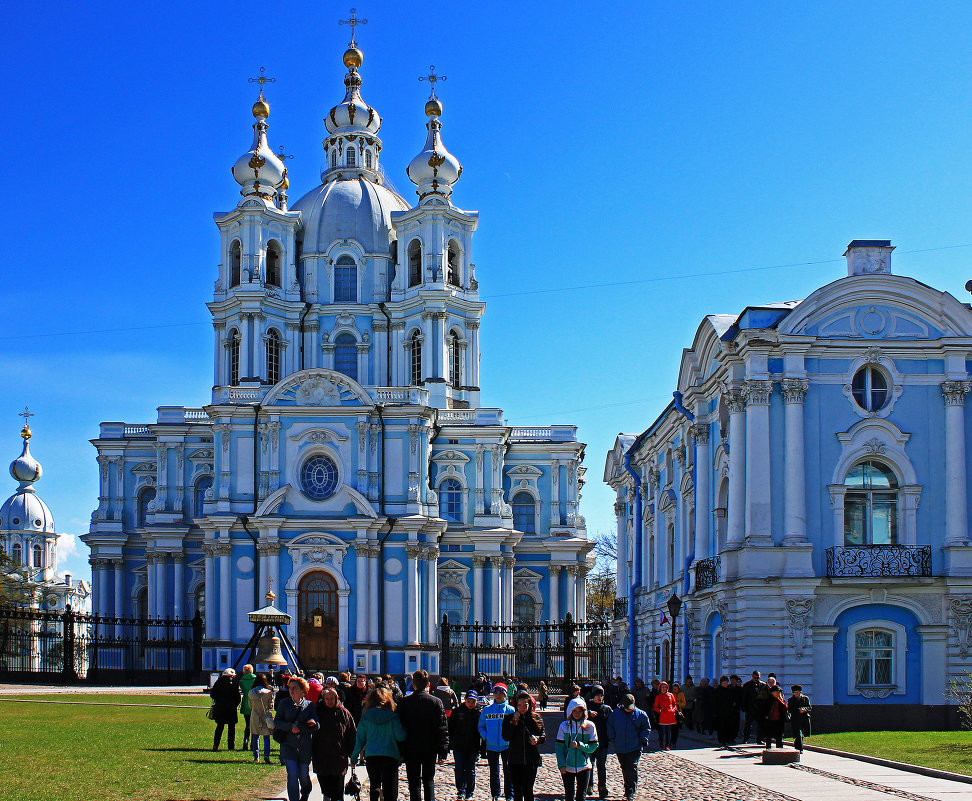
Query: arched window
x=38 y=556
x=334 y=157
x=524 y=609
x=346 y=355
x=450 y=500
x=145 y=497
x=273 y=356
x=455 y=361
x=414 y=263
x=368 y=159
x=345 y=280
x=452 y=274
x=524 y=513
x=236 y=262
x=651 y=561
x=450 y=603
x=234 y=357
x=415 y=348
x=350 y=152
x=870 y=388
x=273 y=264
x=671 y=552
x=873 y=657
x=199 y=495
x=17 y=552
x=669 y=467
x=870 y=505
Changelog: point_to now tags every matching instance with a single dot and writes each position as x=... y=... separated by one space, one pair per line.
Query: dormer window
x=414 y=263
x=236 y=262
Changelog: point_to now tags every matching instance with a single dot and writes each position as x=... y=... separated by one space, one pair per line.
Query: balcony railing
x=707 y=573
x=620 y=608
x=851 y=561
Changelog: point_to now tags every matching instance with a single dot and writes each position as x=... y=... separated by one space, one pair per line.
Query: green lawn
x=944 y=750
x=65 y=752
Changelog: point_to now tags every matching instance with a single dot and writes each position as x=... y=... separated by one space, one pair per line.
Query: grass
x=63 y=752
x=943 y=750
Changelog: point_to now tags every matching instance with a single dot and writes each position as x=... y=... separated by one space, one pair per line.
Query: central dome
x=356 y=209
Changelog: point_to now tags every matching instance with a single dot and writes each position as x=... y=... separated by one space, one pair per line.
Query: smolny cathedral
x=345 y=459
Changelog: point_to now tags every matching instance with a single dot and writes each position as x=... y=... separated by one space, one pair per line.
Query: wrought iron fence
x=878 y=560
x=40 y=646
x=620 y=608
x=707 y=572
x=557 y=653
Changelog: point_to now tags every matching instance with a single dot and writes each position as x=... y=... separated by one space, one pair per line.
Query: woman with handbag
x=293 y=726
x=523 y=730
x=664 y=708
x=226 y=699
x=380 y=731
x=333 y=744
x=261 y=716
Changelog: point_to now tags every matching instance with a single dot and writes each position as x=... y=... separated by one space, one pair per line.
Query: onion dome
x=24 y=510
x=25 y=468
x=435 y=169
x=259 y=171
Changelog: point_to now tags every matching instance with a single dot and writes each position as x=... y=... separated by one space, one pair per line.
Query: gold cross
x=432 y=78
x=353 y=22
x=262 y=79
x=26 y=414
x=281 y=155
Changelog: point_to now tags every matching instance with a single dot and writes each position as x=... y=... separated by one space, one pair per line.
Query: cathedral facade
x=345 y=459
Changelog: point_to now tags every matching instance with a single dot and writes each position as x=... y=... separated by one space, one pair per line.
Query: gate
x=558 y=653
x=66 y=647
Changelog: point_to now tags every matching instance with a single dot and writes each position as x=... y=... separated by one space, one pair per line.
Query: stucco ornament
x=317 y=391
x=799 y=613
x=961 y=609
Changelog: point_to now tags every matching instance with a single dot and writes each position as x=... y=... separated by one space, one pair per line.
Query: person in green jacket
x=379 y=732
x=246 y=684
x=576 y=741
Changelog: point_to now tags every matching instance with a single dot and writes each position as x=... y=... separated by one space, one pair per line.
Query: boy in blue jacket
x=497 y=749
x=628 y=728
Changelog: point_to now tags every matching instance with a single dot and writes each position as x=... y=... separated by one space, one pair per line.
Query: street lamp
x=674 y=605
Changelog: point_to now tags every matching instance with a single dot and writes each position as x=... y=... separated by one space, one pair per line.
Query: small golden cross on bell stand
x=270 y=595
x=263 y=79
x=432 y=78
x=353 y=22
x=26 y=414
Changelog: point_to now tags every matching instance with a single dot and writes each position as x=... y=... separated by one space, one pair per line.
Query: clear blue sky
x=658 y=144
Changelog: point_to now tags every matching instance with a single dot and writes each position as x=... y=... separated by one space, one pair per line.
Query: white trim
x=873 y=357
x=899 y=645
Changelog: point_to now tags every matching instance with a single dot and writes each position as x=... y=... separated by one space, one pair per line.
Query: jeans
x=465 y=772
x=576 y=783
x=332 y=787
x=665 y=736
x=599 y=758
x=798 y=737
x=421 y=778
x=246 y=732
x=748 y=728
x=298 y=780
x=383 y=775
x=629 y=771
x=523 y=777
x=230 y=736
x=255 y=742
x=773 y=730
x=494 y=758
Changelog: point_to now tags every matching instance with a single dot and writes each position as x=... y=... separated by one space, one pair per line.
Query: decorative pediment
x=317 y=549
x=317 y=387
x=143 y=468
x=339 y=501
x=201 y=454
x=872 y=322
x=318 y=436
x=450 y=457
x=524 y=471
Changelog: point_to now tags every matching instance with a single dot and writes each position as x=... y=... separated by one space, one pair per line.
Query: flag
x=663 y=620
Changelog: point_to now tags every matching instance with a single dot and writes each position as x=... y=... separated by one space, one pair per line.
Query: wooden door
x=317 y=622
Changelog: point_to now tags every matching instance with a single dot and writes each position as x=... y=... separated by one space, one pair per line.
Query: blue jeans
x=465 y=772
x=629 y=770
x=495 y=757
x=298 y=780
x=256 y=746
x=665 y=736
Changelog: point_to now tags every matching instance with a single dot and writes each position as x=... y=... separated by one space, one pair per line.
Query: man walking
x=599 y=712
x=465 y=741
x=628 y=729
x=426 y=737
x=750 y=691
x=497 y=749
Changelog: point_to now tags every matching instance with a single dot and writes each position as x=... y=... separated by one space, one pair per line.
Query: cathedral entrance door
x=317 y=622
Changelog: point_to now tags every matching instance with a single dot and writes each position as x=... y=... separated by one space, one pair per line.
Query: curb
x=933 y=773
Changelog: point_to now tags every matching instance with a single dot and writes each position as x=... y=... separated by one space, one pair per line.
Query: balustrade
x=850 y=561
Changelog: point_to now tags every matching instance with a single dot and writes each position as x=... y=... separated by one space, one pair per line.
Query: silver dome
x=24 y=511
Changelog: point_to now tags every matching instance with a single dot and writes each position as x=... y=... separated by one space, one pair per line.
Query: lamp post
x=674 y=605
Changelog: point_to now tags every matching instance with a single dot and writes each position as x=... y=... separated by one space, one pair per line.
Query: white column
x=794 y=477
x=758 y=507
x=151 y=581
x=508 y=591
x=555 y=492
x=95 y=589
x=736 y=402
x=209 y=624
x=160 y=573
x=572 y=591
x=432 y=595
x=477 y=589
x=581 y=601
x=225 y=600
x=554 y=595
x=412 y=611
x=376 y=587
x=473 y=353
x=245 y=371
x=956 y=502
x=362 y=591
x=105 y=584
x=427 y=345
x=700 y=433
x=496 y=565
x=119 y=608
x=439 y=363
x=178 y=587
x=263 y=567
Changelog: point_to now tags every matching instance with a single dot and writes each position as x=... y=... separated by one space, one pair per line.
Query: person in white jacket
x=576 y=741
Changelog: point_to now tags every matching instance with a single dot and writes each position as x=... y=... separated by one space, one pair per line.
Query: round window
x=319 y=477
x=870 y=388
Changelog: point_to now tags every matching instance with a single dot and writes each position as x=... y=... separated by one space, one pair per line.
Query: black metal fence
x=879 y=560
x=707 y=572
x=557 y=653
x=67 y=647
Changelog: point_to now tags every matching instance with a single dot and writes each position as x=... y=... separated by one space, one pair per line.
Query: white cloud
x=67 y=546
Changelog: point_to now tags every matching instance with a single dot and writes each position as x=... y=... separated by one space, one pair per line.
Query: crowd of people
x=332 y=724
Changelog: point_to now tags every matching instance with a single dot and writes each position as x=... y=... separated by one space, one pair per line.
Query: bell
x=268 y=651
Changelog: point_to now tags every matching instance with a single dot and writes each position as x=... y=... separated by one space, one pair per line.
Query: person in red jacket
x=665 y=706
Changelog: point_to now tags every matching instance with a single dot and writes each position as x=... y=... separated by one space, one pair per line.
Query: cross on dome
x=432 y=78
x=26 y=414
x=354 y=22
x=262 y=79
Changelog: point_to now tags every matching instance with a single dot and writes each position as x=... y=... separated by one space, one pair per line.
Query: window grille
x=18 y=554
x=346 y=355
x=524 y=513
x=236 y=261
x=334 y=157
x=351 y=153
x=873 y=657
x=368 y=159
x=38 y=555
x=871 y=505
x=234 y=358
x=870 y=388
x=450 y=500
x=414 y=263
x=273 y=266
x=452 y=274
x=345 y=280
x=455 y=361
x=450 y=603
x=416 y=359
x=273 y=357
x=199 y=495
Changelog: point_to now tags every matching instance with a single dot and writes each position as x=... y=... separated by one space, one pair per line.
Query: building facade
x=28 y=534
x=806 y=495
x=345 y=457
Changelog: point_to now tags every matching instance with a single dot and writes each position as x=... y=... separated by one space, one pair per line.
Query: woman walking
x=261 y=716
x=379 y=733
x=446 y=695
x=576 y=741
x=246 y=684
x=664 y=708
x=356 y=696
x=524 y=732
x=681 y=713
x=332 y=745
x=226 y=698
x=726 y=711
x=465 y=741
x=543 y=695
x=296 y=720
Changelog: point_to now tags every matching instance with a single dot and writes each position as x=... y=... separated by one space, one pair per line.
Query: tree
x=606 y=547
x=15 y=587
x=959 y=692
x=602 y=587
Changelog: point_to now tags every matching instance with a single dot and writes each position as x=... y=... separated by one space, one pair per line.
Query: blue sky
x=630 y=163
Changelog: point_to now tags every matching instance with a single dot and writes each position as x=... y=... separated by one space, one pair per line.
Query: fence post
x=445 y=641
x=570 y=648
x=197 y=626
x=70 y=674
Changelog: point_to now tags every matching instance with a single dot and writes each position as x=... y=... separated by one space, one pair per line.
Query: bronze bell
x=268 y=651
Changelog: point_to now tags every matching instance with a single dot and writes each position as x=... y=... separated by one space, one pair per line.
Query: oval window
x=319 y=477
